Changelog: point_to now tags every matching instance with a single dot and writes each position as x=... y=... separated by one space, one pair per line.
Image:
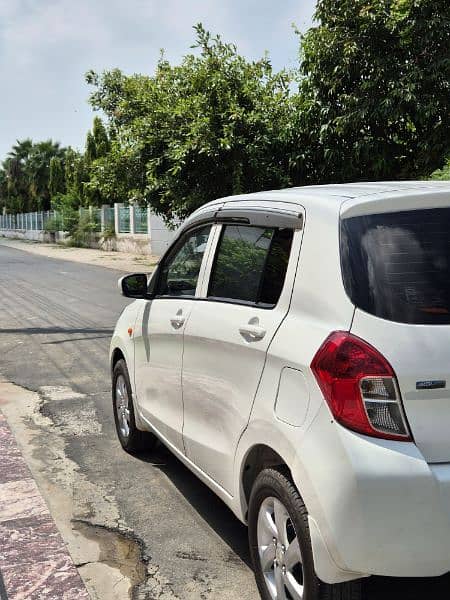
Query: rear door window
x=397 y=265
x=250 y=265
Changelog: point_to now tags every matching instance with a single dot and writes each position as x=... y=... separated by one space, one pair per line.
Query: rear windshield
x=397 y=265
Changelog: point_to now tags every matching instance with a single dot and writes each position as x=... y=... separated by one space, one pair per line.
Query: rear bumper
x=378 y=507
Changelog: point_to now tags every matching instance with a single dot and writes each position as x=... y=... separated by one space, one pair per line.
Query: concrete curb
x=34 y=560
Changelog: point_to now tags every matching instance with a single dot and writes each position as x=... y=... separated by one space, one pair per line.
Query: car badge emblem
x=431 y=384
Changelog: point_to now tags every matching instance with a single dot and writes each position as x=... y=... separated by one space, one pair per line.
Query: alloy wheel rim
x=123 y=406
x=279 y=551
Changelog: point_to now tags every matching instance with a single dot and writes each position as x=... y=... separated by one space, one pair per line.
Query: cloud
x=46 y=46
x=47 y=27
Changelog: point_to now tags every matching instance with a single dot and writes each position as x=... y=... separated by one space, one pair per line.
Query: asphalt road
x=56 y=319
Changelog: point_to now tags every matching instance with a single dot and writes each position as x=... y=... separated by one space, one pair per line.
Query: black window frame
x=264 y=306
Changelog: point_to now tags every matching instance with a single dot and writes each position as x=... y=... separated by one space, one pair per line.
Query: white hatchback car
x=292 y=348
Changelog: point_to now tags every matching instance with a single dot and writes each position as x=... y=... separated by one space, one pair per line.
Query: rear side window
x=250 y=265
x=397 y=265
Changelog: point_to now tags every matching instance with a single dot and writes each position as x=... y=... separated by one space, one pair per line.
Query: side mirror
x=134 y=286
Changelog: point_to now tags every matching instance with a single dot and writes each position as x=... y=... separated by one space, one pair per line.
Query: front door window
x=181 y=269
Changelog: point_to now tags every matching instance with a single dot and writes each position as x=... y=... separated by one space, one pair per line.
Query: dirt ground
x=121 y=261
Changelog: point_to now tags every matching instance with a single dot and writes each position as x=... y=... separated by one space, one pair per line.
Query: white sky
x=46 y=46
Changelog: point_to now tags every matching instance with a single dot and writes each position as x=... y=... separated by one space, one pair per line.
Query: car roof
x=340 y=192
x=329 y=198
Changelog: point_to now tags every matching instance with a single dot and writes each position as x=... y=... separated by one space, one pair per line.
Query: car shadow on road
x=203 y=500
x=234 y=534
x=397 y=588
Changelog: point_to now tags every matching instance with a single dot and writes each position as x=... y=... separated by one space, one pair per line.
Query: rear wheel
x=132 y=439
x=280 y=544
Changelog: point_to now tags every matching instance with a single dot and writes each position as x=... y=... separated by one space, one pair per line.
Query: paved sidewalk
x=121 y=261
x=34 y=561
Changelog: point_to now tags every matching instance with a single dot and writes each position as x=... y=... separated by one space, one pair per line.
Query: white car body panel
x=158 y=363
x=159 y=341
x=375 y=506
x=121 y=341
x=221 y=373
x=428 y=411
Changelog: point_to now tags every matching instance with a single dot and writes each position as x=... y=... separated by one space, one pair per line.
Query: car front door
x=227 y=337
x=159 y=335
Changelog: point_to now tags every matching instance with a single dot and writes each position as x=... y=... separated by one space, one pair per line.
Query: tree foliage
x=76 y=176
x=442 y=174
x=376 y=88
x=25 y=175
x=56 y=182
x=43 y=175
x=214 y=125
x=97 y=142
x=369 y=100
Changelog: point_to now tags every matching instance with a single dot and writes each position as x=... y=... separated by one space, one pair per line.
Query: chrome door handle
x=252 y=333
x=177 y=322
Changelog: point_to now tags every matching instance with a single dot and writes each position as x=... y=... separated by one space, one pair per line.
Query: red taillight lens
x=360 y=387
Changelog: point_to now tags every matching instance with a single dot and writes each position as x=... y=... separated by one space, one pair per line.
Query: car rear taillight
x=360 y=387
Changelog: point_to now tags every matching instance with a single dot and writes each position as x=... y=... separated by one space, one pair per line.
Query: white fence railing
x=134 y=220
x=121 y=220
x=33 y=221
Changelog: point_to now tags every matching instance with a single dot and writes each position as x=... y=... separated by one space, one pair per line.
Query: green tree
x=442 y=174
x=117 y=177
x=101 y=139
x=3 y=190
x=38 y=167
x=90 y=152
x=56 y=183
x=26 y=171
x=99 y=163
x=76 y=178
x=375 y=88
x=97 y=142
x=214 y=125
x=15 y=172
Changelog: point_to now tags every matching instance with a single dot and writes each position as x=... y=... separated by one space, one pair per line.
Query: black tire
x=136 y=441
x=272 y=483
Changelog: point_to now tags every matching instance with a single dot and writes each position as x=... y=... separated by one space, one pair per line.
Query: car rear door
x=246 y=295
x=397 y=271
x=159 y=334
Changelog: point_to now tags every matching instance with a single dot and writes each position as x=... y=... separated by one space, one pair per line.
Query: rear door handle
x=252 y=333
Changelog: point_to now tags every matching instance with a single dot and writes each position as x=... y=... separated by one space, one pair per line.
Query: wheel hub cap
x=279 y=552
x=122 y=406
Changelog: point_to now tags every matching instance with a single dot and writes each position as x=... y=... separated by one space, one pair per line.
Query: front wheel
x=280 y=544
x=132 y=439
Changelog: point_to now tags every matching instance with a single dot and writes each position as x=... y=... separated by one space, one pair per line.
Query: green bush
x=82 y=232
x=109 y=233
x=107 y=236
x=53 y=224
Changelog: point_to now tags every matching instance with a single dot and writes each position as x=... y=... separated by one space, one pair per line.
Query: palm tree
x=27 y=172
x=15 y=171
x=38 y=166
